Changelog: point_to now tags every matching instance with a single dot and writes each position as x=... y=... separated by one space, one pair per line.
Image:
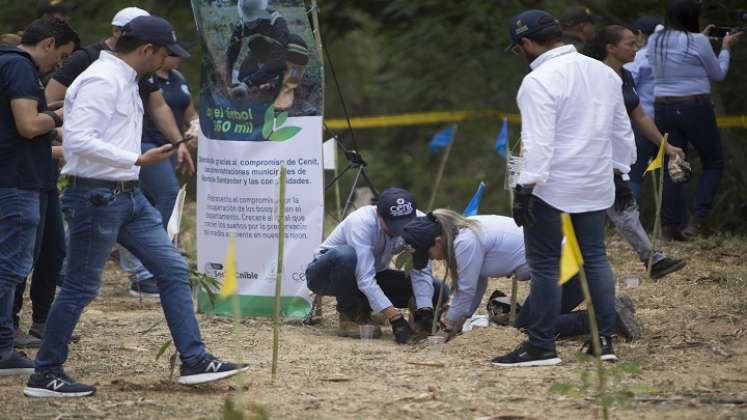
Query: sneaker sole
x=669 y=270
x=546 y=362
x=144 y=295
x=608 y=358
x=16 y=371
x=45 y=393
x=204 y=378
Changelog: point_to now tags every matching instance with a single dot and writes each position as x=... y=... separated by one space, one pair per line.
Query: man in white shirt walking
x=572 y=113
x=104 y=204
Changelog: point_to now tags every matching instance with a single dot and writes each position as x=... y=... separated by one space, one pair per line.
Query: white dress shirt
x=572 y=112
x=497 y=250
x=103 y=122
x=375 y=249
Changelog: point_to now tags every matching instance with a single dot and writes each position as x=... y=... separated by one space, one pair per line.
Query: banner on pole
x=330 y=154
x=261 y=103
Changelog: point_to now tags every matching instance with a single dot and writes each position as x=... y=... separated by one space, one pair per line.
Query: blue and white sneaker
x=15 y=363
x=144 y=288
x=209 y=369
x=56 y=385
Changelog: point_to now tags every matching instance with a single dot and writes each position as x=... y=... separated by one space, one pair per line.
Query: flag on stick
x=658 y=162
x=442 y=139
x=501 y=145
x=571 y=259
x=473 y=207
x=229 y=286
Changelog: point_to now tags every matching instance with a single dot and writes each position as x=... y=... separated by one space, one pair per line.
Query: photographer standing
x=684 y=65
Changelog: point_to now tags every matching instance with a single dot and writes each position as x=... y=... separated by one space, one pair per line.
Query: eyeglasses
x=516 y=49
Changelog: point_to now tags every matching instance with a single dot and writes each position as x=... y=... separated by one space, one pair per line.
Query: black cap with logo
x=421 y=234
x=576 y=15
x=155 y=30
x=54 y=6
x=527 y=23
x=397 y=207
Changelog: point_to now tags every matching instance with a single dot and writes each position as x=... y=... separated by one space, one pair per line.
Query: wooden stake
x=441 y=169
x=595 y=343
x=656 y=234
x=514 y=297
x=279 y=271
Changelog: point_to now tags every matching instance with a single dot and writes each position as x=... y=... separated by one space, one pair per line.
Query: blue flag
x=442 y=139
x=500 y=144
x=474 y=205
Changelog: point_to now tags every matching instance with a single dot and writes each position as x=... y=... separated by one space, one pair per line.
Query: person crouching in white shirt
x=353 y=265
x=104 y=204
x=572 y=112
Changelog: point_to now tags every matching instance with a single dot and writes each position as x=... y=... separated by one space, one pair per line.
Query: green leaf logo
x=273 y=129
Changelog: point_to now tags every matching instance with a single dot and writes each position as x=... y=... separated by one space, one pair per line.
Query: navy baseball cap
x=397 y=207
x=155 y=30
x=527 y=23
x=421 y=234
x=576 y=15
x=647 y=24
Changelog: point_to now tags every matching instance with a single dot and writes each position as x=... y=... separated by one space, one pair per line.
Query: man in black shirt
x=27 y=169
x=143 y=284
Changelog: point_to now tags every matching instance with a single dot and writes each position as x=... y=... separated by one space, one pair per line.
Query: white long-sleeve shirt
x=103 y=122
x=572 y=111
x=496 y=250
x=375 y=249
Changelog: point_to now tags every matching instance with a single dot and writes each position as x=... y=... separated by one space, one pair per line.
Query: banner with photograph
x=261 y=103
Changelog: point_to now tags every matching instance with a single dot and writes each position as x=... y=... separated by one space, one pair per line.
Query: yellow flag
x=570 y=254
x=659 y=161
x=229 y=286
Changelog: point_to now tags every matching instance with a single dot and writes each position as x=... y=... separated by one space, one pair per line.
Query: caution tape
x=451 y=117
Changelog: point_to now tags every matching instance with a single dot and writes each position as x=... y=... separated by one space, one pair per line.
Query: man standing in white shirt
x=103 y=130
x=572 y=113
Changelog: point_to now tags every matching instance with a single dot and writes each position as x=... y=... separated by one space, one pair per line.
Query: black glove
x=402 y=331
x=624 y=197
x=522 y=211
x=424 y=319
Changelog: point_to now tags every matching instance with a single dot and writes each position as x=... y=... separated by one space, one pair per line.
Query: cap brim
x=398 y=226
x=178 y=51
x=420 y=259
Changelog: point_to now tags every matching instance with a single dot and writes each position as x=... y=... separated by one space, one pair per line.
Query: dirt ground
x=693 y=353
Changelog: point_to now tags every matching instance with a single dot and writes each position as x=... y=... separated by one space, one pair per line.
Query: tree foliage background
x=393 y=56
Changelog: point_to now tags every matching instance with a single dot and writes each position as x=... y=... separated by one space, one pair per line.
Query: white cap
x=125 y=16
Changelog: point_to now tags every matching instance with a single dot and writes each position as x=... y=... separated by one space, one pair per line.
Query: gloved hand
x=624 y=197
x=424 y=319
x=402 y=331
x=680 y=170
x=522 y=211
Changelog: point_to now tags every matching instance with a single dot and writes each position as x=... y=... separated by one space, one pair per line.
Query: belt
x=682 y=99
x=119 y=186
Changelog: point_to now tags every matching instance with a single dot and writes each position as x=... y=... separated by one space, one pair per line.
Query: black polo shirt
x=630 y=95
x=79 y=61
x=24 y=163
x=177 y=95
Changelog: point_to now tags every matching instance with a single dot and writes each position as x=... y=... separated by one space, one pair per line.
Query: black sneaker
x=144 y=288
x=209 y=369
x=37 y=330
x=16 y=363
x=55 y=385
x=526 y=355
x=608 y=353
x=626 y=323
x=22 y=340
x=666 y=266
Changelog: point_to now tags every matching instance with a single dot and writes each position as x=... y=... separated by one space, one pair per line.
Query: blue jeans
x=691 y=123
x=49 y=255
x=19 y=224
x=540 y=314
x=129 y=219
x=333 y=274
x=160 y=186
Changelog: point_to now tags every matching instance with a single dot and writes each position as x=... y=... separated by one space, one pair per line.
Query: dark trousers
x=333 y=274
x=541 y=313
x=49 y=254
x=691 y=123
x=645 y=151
